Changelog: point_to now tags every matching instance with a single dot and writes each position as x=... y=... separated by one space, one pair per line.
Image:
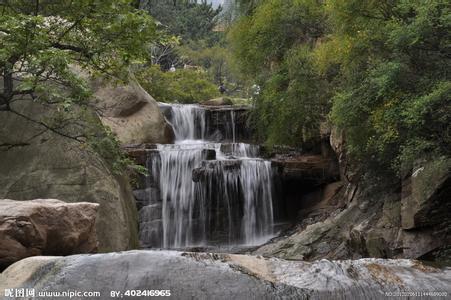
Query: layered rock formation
x=212 y=122
x=222 y=276
x=369 y=217
x=45 y=227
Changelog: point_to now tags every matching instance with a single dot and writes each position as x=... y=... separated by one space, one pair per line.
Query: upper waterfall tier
x=188 y=122
x=196 y=122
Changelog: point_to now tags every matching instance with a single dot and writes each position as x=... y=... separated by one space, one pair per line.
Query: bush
x=181 y=86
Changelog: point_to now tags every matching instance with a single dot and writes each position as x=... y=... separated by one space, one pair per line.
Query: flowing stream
x=210 y=193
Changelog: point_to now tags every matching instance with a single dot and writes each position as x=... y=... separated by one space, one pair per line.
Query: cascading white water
x=258 y=210
x=240 y=150
x=238 y=196
x=177 y=193
x=188 y=121
x=230 y=203
x=232 y=119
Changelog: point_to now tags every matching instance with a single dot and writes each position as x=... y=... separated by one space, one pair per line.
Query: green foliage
x=218 y=63
x=394 y=103
x=187 y=21
x=381 y=66
x=292 y=103
x=261 y=40
x=105 y=144
x=45 y=43
x=181 y=86
x=274 y=45
x=198 y=46
x=191 y=20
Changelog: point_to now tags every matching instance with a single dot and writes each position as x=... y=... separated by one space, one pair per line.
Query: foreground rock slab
x=45 y=227
x=224 y=276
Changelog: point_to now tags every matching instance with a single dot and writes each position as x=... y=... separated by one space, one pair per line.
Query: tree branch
x=77 y=138
x=73 y=48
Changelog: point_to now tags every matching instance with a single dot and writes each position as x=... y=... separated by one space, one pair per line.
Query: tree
x=187 y=19
x=382 y=67
x=274 y=45
x=182 y=85
x=44 y=42
x=394 y=64
x=183 y=22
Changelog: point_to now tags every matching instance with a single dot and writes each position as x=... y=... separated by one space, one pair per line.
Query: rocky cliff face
x=47 y=165
x=368 y=217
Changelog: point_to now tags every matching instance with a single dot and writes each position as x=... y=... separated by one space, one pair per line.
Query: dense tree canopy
x=41 y=40
x=191 y=20
x=395 y=59
x=377 y=69
x=274 y=45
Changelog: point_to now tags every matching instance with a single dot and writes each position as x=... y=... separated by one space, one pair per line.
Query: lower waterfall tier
x=204 y=194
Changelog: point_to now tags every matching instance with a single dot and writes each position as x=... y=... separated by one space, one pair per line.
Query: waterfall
x=258 y=211
x=237 y=196
x=238 y=150
x=188 y=121
x=232 y=120
x=177 y=193
x=210 y=193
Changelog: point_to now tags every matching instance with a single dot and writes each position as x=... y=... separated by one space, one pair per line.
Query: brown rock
x=132 y=114
x=307 y=167
x=45 y=227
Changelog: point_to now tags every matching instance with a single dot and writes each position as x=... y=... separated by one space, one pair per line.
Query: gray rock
x=146 y=196
x=56 y=167
x=426 y=194
x=223 y=276
x=151 y=212
x=218 y=101
x=151 y=233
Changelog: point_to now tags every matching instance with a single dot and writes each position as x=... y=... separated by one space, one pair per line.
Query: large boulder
x=43 y=164
x=131 y=113
x=222 y=276
x=426 y=194
x=45 y=226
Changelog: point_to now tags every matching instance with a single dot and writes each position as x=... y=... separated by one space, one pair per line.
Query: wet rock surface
x=225 y=276
x=45 y=227
x=373 y=219
x=314 y=168
x=214 y=122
